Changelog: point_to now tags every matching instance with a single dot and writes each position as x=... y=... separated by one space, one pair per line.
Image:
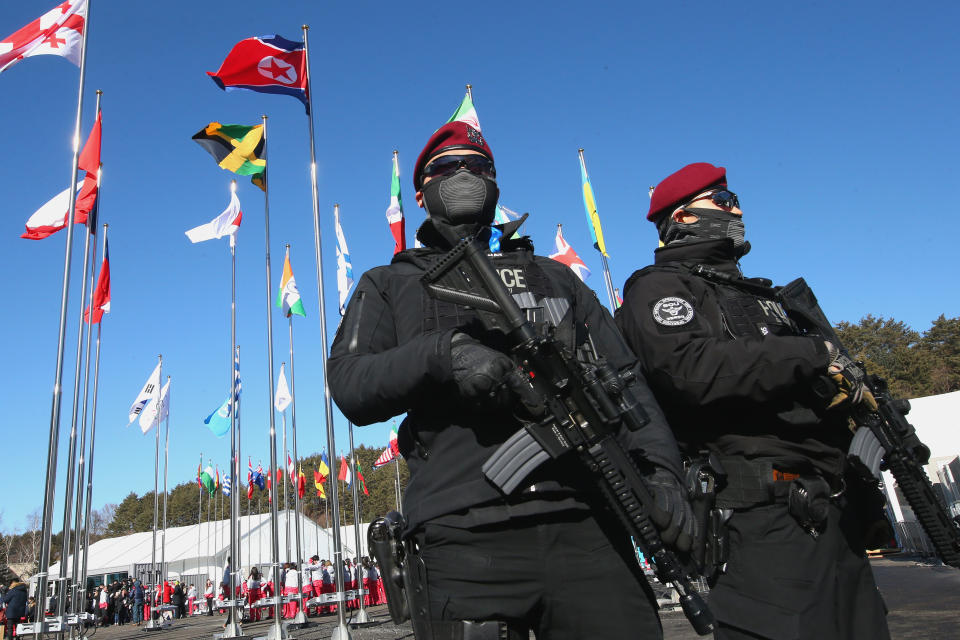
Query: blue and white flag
x=344 y=266
x=226 y=484
x=219 y=420
x=502 y=215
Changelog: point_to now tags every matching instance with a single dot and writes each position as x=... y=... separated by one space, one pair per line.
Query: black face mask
x=461 y=198
x=712 y=224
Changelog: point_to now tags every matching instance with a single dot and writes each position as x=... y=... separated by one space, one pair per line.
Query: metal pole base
x=278 y=632
x=231 y=630
x=361 y=617
x=341 y=632
x=299 y=621
x=157 y=625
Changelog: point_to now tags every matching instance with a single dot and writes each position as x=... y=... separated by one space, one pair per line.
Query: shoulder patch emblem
x=672 y=311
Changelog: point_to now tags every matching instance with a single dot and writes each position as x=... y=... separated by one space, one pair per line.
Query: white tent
x=197 y=552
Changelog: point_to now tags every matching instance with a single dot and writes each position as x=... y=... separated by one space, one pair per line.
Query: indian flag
x=288 y=298
x=466 y=113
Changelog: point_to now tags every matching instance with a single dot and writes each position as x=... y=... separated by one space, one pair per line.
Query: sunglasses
x=719 y=197
x=445 y=165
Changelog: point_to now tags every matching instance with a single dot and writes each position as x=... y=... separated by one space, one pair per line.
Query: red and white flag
x=291 y=470
x=52 y=216
x=385 y=458
x=566 y=255
x=58 y=32
x=101 y=295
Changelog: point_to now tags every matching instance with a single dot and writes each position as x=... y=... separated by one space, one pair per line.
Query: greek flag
x=226 y=484
x=219 y=420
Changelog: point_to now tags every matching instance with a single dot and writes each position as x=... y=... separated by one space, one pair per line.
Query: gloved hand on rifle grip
x=848 y=378
x=673 y=515
x=477 y=370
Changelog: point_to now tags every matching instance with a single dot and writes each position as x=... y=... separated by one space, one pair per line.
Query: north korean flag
x=268 y=64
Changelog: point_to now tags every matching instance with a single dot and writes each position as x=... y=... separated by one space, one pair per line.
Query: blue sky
x=836 y=122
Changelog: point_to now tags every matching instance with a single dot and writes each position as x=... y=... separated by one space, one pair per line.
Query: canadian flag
x=58 y=32
x=569 y=257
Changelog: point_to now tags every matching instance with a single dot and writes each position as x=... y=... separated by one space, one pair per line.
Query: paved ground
x=924 y=603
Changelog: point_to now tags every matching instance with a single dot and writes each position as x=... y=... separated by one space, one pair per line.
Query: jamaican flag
x=236 y=148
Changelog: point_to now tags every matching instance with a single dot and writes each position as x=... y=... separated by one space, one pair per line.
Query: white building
x=197 y=552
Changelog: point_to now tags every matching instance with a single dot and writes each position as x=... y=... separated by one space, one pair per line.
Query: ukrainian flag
x=590 y=204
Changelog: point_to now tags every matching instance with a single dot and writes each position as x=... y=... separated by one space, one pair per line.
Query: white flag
x=149 y=391
x=225 y=224
x=344 y=266
x=282 y=399
x=151 y=416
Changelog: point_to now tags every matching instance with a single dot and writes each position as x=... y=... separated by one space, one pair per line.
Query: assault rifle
x=883 y=440
x=579 y=408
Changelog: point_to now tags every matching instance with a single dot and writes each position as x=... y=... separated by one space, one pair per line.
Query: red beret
x=680 y=186
x=453 y=135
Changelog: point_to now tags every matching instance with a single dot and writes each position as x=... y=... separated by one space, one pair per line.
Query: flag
x=249 y=479
x=269 y=489
x=566 y=255
x=301 y=483
x=324 y=466
x=219 y=420
x=280 y=474
x=58 y=32
x=235 y=147
x=52 y=216
x=385 y=458
x=89 y=162
x=501 y=215
x=148 y=391
x=156 y=411
x=199 y=474
x=590 y=204
x=290 y=470
x=226 y=484
x=225 y=224
x=466 y=113
x=258 y=477
x=268 y=64
x=218 y=477
x=395 y=211
x=206 y=479
x=101 y=295
x=363 y=484
x=344 y=475
x=344 y=266
x=318 y=481
x=288 y=298
x=282 y=399
x=394 y=442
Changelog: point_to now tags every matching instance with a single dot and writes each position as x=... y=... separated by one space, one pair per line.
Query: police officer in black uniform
x=735 y=379
x=543 y=558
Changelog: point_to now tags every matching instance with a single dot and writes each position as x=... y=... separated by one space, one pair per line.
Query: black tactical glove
x=477 y=370
x=849 y=380
x=673 y=515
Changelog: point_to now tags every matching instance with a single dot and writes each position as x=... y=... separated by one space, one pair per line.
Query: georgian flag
x=566 y=255
x=58 y=32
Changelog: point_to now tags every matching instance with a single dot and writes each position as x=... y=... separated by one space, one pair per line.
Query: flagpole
x=166 y=469
x=286 y=506
x=209 y=575
x=301 y=617
x=607 y=280
x=341 y=632
x=233 y=628
x=199 y=511
x=75 y=567
x=277 y=632
x=93 y=433
x=361 y=616
x=155 y=576
x=397 y=461
x=470 y=92
x=54 y=437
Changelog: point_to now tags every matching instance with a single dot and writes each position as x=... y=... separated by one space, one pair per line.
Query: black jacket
x=392 y=355
x=729 y=370
x=16 y=601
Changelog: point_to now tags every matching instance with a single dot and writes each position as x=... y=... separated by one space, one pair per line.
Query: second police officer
x=542 y=557
x=736 y=380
